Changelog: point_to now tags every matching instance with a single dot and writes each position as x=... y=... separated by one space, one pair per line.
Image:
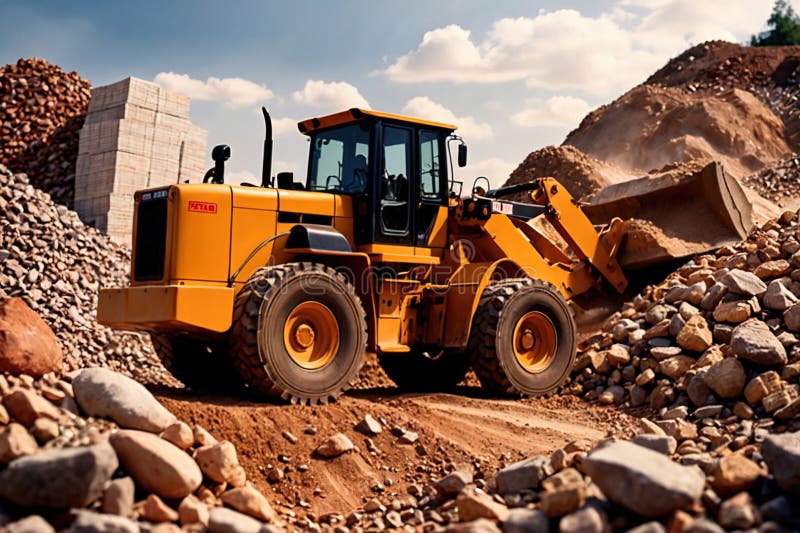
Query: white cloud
x=556 y=111
x=494 y=168
x=332 y=96
x=468 y=127
x=282 y=126
x=565 y=49
x=235 y=92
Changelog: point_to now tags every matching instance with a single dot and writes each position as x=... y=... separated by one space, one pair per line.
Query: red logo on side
x=203 y=207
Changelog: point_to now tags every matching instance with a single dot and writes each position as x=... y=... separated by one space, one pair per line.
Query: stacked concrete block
x=136 y=136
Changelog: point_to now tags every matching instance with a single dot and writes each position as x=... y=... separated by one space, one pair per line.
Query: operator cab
x=394 y=167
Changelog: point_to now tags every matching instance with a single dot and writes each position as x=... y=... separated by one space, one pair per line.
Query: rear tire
x=299 y=332
x=416 y=372
x=199 y=364
x=523 y=339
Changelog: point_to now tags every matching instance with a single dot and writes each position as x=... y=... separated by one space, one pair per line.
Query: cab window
x=429 y=172
x=340 y=159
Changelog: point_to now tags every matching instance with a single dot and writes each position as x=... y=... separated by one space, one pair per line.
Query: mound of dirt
x=581 y=174
x=772 y=73
x=651 y=126
x=41 y=112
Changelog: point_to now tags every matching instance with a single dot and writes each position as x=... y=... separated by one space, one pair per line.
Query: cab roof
x=355 y=114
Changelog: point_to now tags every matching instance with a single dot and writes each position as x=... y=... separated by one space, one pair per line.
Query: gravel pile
x=617 y=485
x=779 y=182
x=42 y=109
x=56 y=264
x=713 y=350
x=97 y=452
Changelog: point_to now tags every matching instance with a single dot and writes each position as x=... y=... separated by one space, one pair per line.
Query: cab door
x=394 y=192
x=430 y=215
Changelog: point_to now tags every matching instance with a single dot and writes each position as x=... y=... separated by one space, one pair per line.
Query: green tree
x=783 y=27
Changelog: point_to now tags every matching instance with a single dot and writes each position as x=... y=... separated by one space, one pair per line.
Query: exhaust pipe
x=266 y=165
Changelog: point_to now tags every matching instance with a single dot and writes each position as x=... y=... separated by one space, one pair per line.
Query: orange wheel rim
x=311 y=335
x=535 y=342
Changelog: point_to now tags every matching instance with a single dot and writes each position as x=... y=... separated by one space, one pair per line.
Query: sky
x=513 y=75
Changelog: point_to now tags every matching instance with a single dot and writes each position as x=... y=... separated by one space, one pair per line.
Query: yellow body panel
x=251 y=226
x=438 y=236
x=201 y=229
x=182 y=307
x=399 y=253
x=306 y=202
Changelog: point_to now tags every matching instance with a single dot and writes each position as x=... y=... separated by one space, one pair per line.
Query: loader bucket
x=669 y=217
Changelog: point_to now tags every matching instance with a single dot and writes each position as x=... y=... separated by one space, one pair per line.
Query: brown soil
x=651 y=126
x=579 y=173
x=453 y=429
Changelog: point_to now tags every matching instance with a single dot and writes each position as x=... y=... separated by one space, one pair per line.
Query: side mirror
x=462 y=155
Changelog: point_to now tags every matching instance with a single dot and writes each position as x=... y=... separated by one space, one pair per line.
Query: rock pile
x=56 y=264
x=137 y=468
x=713 y=350
x=641 y=486
x=779 y=182
x=41 y=112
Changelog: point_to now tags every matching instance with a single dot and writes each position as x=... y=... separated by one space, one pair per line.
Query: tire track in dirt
x=462 y=428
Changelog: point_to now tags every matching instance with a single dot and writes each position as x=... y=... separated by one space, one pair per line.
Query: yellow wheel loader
x=282 y=287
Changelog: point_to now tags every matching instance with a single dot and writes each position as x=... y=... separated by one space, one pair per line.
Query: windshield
x=340 y=159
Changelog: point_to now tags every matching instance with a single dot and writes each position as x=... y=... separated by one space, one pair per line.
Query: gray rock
x=103 y=393
x=523 y=475
x=91 y=522
x=778 y=297
x=523 y=520
x=59 y=478
x=585 y=520
x=752 y=340
x=708 y=411
x=30 y=524
x=743 y=282
x=656 y=313
x=642 y=480
x=223 y=520
x=658 y=443
x=713 y=296
x=368 y=426
x=782 y=455
x=454 y=482
x=676 y=324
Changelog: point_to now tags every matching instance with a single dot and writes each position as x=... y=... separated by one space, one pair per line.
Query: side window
x=340 y=159
x=429 y=183
x=394 y=196
x=329 y=153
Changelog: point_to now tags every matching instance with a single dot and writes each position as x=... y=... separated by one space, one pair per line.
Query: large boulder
x=782 y=455
x=753 y=341
x=157 y=465
x=643 y=481
x=103 y=393
x=27 y=344
x=59 y=478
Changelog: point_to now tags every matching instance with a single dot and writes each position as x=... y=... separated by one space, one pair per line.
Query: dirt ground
x=454 y=429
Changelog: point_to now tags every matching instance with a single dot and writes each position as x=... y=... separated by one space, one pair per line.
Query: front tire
x=523 y=339
x=299 y=332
